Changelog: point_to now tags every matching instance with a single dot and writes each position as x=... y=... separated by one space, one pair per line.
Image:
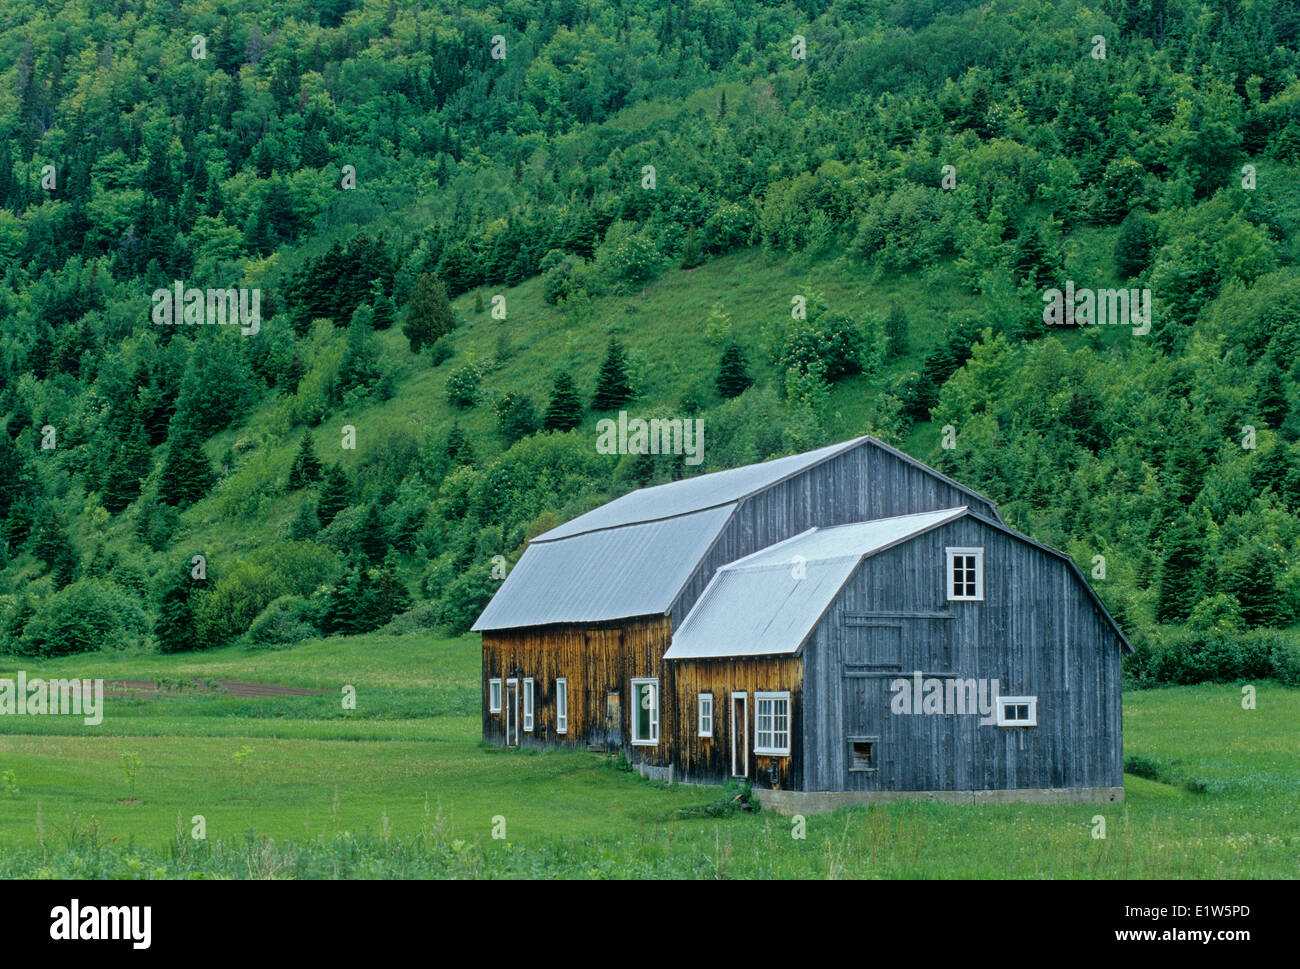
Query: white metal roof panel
x=637 y=570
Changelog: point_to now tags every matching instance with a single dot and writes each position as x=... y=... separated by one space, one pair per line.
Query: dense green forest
x=477 y=229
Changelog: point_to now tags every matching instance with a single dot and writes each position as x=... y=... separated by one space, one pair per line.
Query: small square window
x=494 y=696
x=1018 y=711
x=706 y=715
x=965 y=574
x=862 y=753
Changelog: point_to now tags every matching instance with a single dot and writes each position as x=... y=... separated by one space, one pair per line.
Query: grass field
x=402 y=786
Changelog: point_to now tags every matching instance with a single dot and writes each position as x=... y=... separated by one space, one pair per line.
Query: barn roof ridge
x=791 y=465
x=610 y=519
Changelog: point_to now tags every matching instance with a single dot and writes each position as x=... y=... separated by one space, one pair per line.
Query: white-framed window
x=561 y=705
x=494 y=695
x=965 y=574
x=1017 y=711
x=772 y=724
x=528 y=704
x=645 y=712
x=706 y=714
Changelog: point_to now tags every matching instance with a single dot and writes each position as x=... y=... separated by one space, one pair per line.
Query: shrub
x=440 y=352
x=88 y=615
x=1221 y=656
x=288 y=619
x=465 y=597
x=462 y=386
x=248 y=587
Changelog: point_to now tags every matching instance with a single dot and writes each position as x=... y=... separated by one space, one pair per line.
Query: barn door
x=739 y=735
x=613 y=720
x=512 y=713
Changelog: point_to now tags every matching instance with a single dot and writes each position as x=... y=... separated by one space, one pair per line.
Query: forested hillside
x=475 y=230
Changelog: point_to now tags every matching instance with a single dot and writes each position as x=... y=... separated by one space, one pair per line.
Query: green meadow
x=402 y=786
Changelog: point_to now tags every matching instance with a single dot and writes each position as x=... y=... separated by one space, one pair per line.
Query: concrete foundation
x=820 y=802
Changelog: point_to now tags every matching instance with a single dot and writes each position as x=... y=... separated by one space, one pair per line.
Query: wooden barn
x=839 y=626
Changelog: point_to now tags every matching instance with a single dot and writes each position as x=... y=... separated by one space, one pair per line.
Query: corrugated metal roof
x=766 y=604
x=637 y=570
x=693 y=494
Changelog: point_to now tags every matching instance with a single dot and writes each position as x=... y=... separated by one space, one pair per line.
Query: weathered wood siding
x=858 y=485
x=1036 y=632
x=708 y=760
x=596 y=660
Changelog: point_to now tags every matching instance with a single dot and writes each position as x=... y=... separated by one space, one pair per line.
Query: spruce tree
x=1253 y=581
x=1270 y=395
x=129 y=468
x=564 y=411
x=53 y=547
x=458 y=449
x=177 y=603
x=383 y=308
x=343 y=604
x=374 y=537
x=391 y=596
x=306 y=467
x=428 y=314
x=305 y=524
x=360 y=366
x=613 y=382
x=186 y=474
x=1179 y=585
x=733 y=372
x=335 y=494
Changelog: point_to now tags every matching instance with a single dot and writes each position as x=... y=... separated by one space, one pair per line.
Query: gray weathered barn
x=842 y=625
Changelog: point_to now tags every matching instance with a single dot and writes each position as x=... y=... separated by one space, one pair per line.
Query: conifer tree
x=428 y=315
x=564 y=411
x=1179 y=585
x=613 y=381
x=186 y=474
x=733 y=372
x=383 y=308
x=360 y=366
x=335 y=494
x=305 y=524
x=129 y=467
x=177 y=603
x=458 y=449
x=52 y=546
x=1253 y=581
x=374 y=537
x=306 y=467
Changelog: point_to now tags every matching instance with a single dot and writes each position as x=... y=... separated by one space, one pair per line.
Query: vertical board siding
x=1036 y=632
x=708 y=760
x=596 y=660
